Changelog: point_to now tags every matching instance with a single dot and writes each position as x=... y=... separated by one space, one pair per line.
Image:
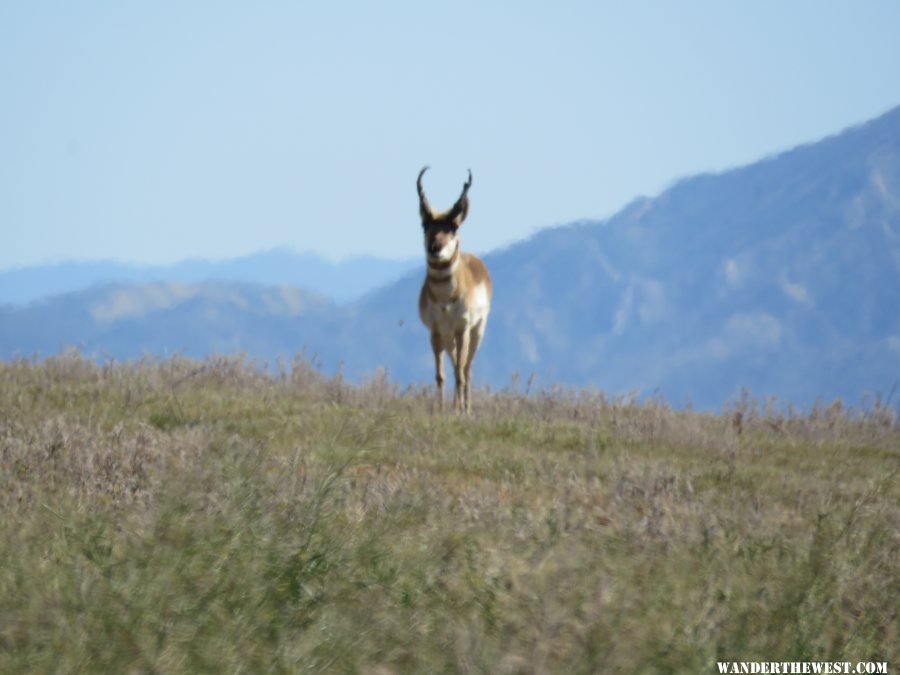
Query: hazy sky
x=154 y=131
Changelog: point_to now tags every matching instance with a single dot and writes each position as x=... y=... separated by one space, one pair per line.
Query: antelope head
x=441 y=227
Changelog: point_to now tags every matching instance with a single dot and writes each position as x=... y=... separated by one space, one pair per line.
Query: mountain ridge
x=781 y=276
x=344 y=281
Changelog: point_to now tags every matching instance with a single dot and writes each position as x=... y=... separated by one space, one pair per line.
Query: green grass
x=206 y=517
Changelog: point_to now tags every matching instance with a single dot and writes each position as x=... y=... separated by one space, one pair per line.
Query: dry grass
x=207 y=517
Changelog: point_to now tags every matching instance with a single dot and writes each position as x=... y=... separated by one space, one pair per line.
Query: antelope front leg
x=474 y=341
x=437 y=347
x=460 y=400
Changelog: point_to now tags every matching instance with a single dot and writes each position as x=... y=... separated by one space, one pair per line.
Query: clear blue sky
x=154 y=131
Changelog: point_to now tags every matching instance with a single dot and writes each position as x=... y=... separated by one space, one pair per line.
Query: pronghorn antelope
x=456 y=296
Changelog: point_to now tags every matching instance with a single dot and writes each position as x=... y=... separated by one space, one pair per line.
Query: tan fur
x=454 y=302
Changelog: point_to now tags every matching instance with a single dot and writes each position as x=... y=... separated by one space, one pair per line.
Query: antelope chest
x=444 y=310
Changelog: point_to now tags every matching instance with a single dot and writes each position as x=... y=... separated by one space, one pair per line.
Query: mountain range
x=782 y=276
x=343 y=281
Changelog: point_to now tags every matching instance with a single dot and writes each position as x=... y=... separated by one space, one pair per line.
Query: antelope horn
x=461 y=207
x=424 y=207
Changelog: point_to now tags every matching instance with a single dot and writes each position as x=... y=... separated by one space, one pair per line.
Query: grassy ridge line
x=203 y=516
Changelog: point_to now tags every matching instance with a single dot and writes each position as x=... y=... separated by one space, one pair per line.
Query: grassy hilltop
x=207 y=517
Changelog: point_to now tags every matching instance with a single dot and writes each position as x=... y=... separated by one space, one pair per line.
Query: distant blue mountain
x=782 y=276
x=342 y=281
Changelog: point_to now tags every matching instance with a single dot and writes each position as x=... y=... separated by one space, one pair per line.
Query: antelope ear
x=459 y=213
x=461 y=208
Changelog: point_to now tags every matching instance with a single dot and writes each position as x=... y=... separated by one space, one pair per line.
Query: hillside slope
x=782 y=276
x=194 y=516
